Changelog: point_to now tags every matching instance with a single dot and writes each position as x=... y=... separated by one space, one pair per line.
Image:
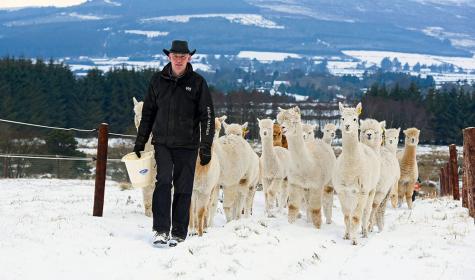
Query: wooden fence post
x=5 y=167
x=447 y=178
x=469 y=165
x=464 y=188
x=101 y=164
x=442 y=181
x=454 y=175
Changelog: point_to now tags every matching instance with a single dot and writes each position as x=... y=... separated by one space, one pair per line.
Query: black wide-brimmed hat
x=179 y=47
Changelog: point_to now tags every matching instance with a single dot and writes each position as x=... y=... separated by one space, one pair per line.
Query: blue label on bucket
x=143 y=171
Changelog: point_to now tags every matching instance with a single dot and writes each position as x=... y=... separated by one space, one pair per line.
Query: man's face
x=179 y=61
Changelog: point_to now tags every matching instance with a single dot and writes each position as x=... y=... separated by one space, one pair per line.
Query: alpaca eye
x=354 y=119
x=342 y=119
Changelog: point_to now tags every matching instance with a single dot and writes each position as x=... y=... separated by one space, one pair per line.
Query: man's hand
x=137 y=149
x=205 y=154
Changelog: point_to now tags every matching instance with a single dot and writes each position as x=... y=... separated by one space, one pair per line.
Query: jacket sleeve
x=149 y=112
x=206 y=115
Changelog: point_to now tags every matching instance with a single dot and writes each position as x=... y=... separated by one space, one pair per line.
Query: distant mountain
x=142 y=28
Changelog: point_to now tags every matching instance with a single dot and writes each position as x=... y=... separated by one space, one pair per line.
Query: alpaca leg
x=315 y=206
x=266 y=185
x=328 y=203
x=284 y=194
x=249 y=201
x=409 y=193
x=147 y=193
x=356 y=216
x=367 y=213
x=229 y=200
x=295 y=201
x=401 y=191
x=306 y=202
x=213 y=206
x=378 y=198
x=346 y=213
x=192 y=221
x=394 y=195
x=201 y=204
x=271 y=195
x=241 y=201
x=381 y=212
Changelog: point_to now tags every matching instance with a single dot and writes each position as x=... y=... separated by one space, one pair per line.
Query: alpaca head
x=349 y=118
x=290 y=120
x=266 y=126
x=391 y=138
x=234 y=129
x=329 y=131
x=138 y=111
x=372 y=132
x=412 y=136
x=277 y=134
x=308 y=131
x=217 y=124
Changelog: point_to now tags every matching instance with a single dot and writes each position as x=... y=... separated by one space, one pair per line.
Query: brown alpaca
x=409 y=169
x=279 y=138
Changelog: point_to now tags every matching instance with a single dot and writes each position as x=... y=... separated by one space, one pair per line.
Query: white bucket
x=141 y=169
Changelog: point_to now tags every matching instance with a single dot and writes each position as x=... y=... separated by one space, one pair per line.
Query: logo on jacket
x=188 y=88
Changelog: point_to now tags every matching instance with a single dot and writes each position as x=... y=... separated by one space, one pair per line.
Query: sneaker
x=160 y=238
x=175 y=240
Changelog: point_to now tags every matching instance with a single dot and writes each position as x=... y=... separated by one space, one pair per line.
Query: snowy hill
x=141 y=28
x=48 y=233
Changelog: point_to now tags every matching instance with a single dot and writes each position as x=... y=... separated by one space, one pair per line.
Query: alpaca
x=279 y=138
x=205 y=184
x=239 y=170
x=329 y=133
x=311 y=166
x=372 y=135
x=274 y=163
x=147 y=191
x=391 y=139
x=356 y=174
x=408 y=165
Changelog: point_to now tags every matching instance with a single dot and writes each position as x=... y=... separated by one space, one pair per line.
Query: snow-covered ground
x=48 y=232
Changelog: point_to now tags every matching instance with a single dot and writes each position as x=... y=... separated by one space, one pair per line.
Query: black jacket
x=175 y=109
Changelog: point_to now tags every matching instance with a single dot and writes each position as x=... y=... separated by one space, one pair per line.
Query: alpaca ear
x=340 y=106
x=404 y=131
x=274 y=121
x=135 y=100
x=280 y=109
x=223 y=118
x=383 y=124
x=225 y=125
x=297 y=109
x=258 y=120
x=398 y=131
x=359 y=109
x=244 y=125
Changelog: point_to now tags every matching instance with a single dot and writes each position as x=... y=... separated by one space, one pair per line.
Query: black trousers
x=177 y=166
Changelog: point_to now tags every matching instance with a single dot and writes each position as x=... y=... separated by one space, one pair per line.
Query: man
x=178 y=111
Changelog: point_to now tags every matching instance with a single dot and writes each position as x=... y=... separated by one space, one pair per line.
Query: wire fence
x=39 y=151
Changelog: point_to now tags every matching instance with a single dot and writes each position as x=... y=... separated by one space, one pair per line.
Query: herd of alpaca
x=298 y=171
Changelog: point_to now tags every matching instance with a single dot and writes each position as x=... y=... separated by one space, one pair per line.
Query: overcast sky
x=38 y=3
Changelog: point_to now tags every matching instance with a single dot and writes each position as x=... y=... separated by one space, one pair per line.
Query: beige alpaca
x=147 y=191
x=372 y=135
x=389 y=158
x=311 y=166
x=239 y=170
x=308 y=132
x=205 y=184
x=329 y=133
x=279 y=138
x=356 y=173
x=409 y=169
x=274 y=163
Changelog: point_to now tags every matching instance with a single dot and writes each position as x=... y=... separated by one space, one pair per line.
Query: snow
x=48 y=232
x=244 y=19
x=148 y=34
x=267 y=56
x=85 y=17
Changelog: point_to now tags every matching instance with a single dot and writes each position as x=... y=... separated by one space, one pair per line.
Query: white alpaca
x=408 y=164
x=372 y=135
x=308 y=132
x=356 y=174
x=311 y=166
x=147 y=191
x=205 y=186
x=274 y=163
x=239 y=170
x=329 y=133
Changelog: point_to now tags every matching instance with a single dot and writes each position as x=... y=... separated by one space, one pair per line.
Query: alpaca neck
x=350 y=144
x=296 y=143
x=267 y=146
x=327 y=139
x=409 y=153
